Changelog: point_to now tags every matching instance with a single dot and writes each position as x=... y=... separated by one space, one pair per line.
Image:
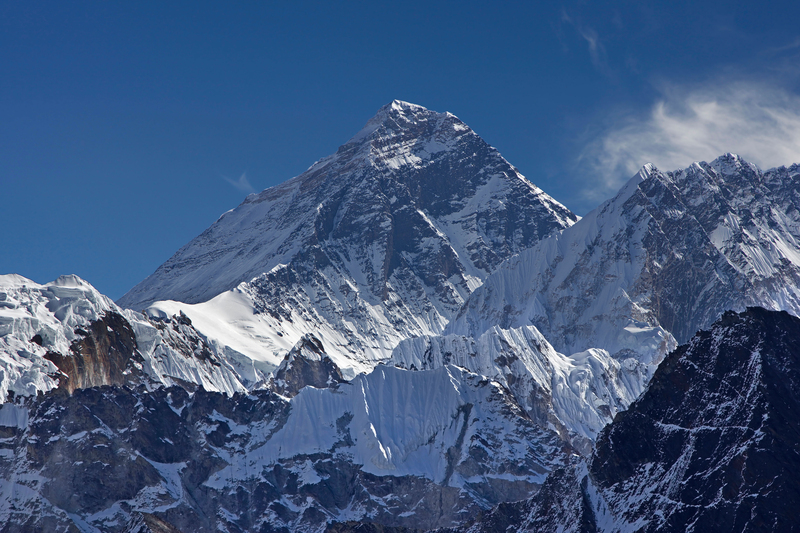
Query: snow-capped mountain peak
x=66 y=334
x=381 y=241
x=663 y=258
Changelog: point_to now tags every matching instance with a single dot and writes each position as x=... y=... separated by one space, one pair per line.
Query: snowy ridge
x=576 y=395
x=403 y=423
x=448 y=442
x=661 y=260
x=382 y=241
x=39 y=319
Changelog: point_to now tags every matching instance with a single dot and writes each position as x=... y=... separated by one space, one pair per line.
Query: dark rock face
x=141 y=450
x=715 y=441
x=360 y=527
x=106 y=355
x=563 y=504
x=306 y=364
x=712 y=445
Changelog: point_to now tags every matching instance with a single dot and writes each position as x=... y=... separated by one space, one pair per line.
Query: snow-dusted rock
x=305 y=365
x=418 y=449
x=662 y=259
x=67 y=332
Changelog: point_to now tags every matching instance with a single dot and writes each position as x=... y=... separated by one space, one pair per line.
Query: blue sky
x=127 y=129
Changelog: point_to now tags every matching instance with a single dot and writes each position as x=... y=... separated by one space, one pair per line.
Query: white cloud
x=241 y=184
x=759 y=122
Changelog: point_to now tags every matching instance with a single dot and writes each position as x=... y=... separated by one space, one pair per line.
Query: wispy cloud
x=757 y=121
x=597 y=52
x=241 y=184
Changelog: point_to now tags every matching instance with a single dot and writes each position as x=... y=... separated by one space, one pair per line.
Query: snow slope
x=576 y=395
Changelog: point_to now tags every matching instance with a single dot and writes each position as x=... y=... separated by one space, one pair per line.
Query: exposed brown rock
x=106 y=355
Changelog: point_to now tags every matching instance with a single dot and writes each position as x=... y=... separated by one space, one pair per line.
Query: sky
x=126 y=129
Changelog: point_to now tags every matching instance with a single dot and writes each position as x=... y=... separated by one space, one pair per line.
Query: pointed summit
x=407 y=162
x=400 y=128
x=397 y=114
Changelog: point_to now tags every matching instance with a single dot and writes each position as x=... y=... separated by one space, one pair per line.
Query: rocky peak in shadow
x=712 y=445
x=306 y=364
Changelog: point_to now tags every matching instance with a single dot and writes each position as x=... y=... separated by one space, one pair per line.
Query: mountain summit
x=407 y=168
x=383 y=240
x=410 y=333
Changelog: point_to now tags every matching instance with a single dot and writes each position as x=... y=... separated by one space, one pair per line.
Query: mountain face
x=404 y=448
x=67 y=334
x=576 y=395
x=712 y=445
x=306 y=365
x=665 y=257
x=384 y=240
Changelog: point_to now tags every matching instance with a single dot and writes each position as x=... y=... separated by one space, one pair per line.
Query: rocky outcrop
x=305 y=365
x=66 y=334
x=104 y=355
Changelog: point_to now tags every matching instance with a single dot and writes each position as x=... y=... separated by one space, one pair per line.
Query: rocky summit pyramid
x=411 y=181
x=381 y=241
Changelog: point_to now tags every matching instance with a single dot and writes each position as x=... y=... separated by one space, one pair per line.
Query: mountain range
x=410 y=334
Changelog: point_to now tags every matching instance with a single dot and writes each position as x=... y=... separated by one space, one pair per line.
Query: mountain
x=381 y=241
x=576 y=395
x=410 y=335
x=662 y=259
x=67 y=334
x=712 y=445
x=417 y=449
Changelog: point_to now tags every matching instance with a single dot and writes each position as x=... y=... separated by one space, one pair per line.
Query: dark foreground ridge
x=712 y=445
